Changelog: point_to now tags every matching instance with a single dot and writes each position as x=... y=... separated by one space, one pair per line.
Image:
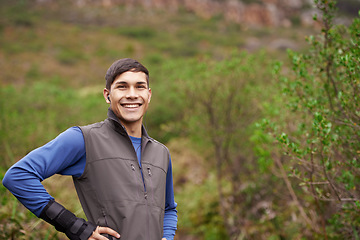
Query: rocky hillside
x=250 y=13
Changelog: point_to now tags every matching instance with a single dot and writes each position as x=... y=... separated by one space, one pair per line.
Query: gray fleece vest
x=112 y=191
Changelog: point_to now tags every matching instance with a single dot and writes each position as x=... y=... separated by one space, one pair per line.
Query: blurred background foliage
x=264 y=140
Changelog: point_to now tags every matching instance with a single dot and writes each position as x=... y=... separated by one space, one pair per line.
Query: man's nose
x=132 y=93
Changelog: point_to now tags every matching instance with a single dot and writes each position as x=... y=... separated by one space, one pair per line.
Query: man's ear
x=106 y=94
x=150 y=93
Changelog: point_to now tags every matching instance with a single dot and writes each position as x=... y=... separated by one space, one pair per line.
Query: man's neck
x=133 y=130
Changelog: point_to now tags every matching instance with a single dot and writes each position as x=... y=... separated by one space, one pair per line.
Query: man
x=123 y=177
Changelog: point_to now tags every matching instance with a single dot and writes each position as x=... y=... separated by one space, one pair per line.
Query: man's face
x=129 y=97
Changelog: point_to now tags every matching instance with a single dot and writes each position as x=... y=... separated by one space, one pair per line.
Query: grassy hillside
x=72 y=42
x=53 y=59
x=50 y=51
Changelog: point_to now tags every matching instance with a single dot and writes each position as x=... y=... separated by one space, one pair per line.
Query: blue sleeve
x=64 y=155
x=170 y=217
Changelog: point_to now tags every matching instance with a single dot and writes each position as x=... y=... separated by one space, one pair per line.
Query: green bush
x=321 y=139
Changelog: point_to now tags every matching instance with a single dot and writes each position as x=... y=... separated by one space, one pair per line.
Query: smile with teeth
x=133 y=105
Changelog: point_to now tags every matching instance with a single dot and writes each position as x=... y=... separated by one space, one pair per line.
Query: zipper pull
x=133 y=167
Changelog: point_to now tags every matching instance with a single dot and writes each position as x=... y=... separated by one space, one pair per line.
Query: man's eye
x=141 y=86
x=121 y=86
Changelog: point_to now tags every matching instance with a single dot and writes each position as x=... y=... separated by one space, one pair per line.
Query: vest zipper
x=145 y=192
x=150 y=180
x=140 y=167
x=147 y=205
x=145 y=195
x=143 y=179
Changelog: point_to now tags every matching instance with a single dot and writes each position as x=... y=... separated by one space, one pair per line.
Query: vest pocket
x=135 y=178
x=155 y=179
x=150 y=185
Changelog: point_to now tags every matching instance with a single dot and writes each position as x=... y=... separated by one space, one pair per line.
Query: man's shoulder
x=71 y=134
x=157 y=143
x=91 y=126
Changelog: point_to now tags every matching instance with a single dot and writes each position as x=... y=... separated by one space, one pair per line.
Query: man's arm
x=63 y=155
x=170 y=217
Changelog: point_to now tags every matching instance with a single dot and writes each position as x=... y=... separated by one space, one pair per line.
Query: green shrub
x=321 y=138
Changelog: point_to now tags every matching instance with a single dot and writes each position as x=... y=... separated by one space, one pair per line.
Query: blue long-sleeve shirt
x=66 y=155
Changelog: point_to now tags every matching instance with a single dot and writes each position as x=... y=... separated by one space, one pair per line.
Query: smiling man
x=129 y=97
x=123 y=177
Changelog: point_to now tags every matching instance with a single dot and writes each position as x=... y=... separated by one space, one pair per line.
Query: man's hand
x=100 y=230
x=163 y=239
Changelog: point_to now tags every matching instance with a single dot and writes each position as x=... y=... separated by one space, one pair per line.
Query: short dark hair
x=124 y=65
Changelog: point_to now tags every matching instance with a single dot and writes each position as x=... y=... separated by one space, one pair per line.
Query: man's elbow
x=8 y=180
